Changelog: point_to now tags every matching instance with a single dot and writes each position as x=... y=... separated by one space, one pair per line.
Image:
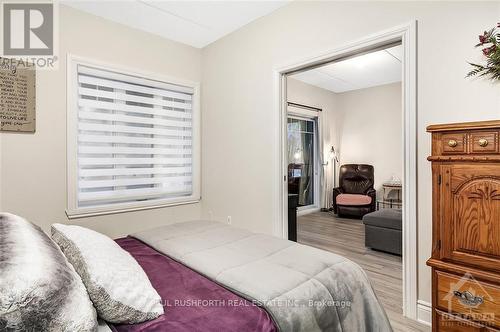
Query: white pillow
x=117 y=285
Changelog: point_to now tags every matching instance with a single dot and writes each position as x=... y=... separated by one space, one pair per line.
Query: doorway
x=406 y=35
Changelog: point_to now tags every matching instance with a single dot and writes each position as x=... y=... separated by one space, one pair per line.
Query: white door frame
x=407 y=34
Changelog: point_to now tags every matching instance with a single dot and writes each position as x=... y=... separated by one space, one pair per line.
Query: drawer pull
x=483 y=142
x=466 y=298
x=452 y=143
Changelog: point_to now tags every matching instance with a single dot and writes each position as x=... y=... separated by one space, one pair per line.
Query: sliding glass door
x=302 y=160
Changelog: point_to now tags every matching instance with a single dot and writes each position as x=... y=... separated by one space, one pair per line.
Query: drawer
x=454 y=143
x=468 y=298
x=450 y=323
x=483 y=142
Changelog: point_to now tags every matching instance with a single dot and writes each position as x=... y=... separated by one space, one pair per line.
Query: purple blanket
x=192 y=302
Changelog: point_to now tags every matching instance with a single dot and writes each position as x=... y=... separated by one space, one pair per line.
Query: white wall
x=372 y=130
x=239 y=124
x=33 y=166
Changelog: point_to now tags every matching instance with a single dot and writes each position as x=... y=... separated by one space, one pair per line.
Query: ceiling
x=196 y=23
x=364 y=71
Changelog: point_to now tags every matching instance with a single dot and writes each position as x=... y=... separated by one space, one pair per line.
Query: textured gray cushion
x=39 y=289
x=117 y=285
x=385 y=218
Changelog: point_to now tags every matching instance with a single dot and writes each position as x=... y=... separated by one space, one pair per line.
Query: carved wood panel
x=476 y=207
x=471 y=221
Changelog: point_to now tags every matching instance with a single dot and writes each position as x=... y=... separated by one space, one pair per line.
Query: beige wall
x=239 y=125
x=33 y=167
x=372 y=130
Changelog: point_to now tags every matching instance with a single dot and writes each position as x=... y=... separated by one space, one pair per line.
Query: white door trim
x=407 y=34
x=424 y=312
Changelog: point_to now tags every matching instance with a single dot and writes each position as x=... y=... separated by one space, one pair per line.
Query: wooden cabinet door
x=470 y=219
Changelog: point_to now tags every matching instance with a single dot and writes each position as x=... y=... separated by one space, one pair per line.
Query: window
x=132 y=140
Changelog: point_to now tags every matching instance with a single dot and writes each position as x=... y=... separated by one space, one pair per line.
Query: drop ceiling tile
x=364 y=71
x=196 y=23
x=143 y=17
x=323 y=80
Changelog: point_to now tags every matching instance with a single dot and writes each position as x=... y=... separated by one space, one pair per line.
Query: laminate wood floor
x=346 y=237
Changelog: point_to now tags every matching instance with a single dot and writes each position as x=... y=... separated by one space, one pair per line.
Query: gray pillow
x=39 y=289
x=117 y=285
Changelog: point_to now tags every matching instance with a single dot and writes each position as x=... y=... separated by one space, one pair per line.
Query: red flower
x=483 y=39
x=488 y=50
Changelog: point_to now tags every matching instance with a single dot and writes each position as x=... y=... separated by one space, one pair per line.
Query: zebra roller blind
x=135 y=139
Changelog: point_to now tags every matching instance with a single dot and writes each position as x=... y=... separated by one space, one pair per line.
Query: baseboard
x=424 y=312
x=307 y=211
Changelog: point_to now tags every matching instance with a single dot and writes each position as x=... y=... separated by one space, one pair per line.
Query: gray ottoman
x=383 y=230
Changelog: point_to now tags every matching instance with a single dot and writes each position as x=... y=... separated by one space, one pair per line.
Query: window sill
x=81 y=214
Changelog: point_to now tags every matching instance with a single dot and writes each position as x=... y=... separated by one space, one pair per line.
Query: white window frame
x=73 y=211
x=315 y=116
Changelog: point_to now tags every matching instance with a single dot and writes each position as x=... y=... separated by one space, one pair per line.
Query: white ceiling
x=364 y=71
x=196 y=23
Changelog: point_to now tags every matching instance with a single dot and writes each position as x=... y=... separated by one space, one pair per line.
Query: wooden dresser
x=466 y=227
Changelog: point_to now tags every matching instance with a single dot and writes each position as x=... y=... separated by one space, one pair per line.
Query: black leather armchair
x=355 y=195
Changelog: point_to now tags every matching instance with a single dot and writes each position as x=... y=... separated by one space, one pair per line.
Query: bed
x=278 y=285
x=189 y=276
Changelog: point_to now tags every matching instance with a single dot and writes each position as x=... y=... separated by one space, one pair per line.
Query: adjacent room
x=345 y=163
x=267 y=166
